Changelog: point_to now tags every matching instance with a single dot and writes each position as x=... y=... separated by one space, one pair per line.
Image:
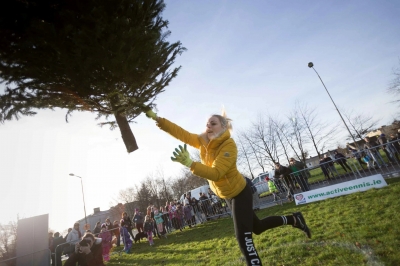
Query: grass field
x=358 y=229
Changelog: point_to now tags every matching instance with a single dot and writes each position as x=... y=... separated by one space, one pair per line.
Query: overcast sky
x=250 y=56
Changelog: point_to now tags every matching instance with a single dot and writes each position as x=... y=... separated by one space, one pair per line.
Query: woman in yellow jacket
x=218 y=154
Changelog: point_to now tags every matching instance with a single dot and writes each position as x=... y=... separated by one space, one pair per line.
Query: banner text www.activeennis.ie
x=345 y=189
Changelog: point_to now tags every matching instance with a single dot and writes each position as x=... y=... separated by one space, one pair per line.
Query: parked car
x=261 y=183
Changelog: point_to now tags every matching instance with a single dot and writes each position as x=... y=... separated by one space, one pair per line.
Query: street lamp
x=83 y=196
x=311 y=65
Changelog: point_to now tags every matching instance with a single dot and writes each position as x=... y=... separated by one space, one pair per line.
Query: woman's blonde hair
x=226 y=123
x=224 y=120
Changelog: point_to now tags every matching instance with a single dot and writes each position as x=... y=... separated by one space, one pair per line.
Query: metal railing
x=30 y=259
x=205 y=210
x=381 y=159
x=214 y=208
x=61 y=248
x=202 y=211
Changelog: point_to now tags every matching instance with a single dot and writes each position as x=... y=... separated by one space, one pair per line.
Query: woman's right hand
x=149 y=112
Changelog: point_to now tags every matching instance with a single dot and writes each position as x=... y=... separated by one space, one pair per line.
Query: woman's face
x=213 y=128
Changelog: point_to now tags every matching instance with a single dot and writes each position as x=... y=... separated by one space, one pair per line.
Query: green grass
x=358 y=229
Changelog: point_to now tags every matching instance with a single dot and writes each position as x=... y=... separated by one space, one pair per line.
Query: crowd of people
x=92 y=248
x=371 y=155
x=156 y=221
x=296 y=174
x=368 y=155
x=286 y=178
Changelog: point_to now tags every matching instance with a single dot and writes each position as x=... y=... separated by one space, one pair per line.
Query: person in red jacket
x=87 y=254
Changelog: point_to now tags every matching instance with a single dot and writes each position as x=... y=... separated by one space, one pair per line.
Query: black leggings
x=344 y=164
x=246 y=222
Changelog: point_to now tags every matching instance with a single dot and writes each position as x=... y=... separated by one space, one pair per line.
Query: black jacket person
x=283 y=173
x=87 y=255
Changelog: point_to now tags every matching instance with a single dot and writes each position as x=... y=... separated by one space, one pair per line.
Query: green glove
x=182 y=156
x=149 y=113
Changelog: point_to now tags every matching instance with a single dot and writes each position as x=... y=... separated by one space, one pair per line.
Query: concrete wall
x=32 y=237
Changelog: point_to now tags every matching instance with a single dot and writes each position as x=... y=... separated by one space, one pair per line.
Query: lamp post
x=311 y=65
x=83 y=196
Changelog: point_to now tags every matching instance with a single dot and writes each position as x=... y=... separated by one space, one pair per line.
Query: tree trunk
x=126 y=133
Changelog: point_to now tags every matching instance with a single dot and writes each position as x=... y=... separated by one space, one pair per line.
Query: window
x=263 y=177
x=256 y=180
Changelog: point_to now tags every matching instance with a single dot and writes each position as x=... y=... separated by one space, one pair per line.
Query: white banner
x=349 y=187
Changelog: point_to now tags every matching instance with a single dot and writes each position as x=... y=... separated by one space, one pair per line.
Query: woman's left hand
x=182 y=156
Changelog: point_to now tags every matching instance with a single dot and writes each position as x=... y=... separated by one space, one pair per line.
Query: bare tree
x=298 y=138
x=8 y=238
x=245 y=155
x=360 y=124
x=257 y=158
x=280 y=129
x=319 y=133
x=178 y=186
x=284 y=131
x=153 y=187
x=165 y=192
x=192 y=181
x=394 y=86
x=127 y=197
x=116 y=211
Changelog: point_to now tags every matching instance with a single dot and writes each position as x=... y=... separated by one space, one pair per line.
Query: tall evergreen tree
x=109 y=57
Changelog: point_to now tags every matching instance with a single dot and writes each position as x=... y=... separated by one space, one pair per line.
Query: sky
x=249 y=56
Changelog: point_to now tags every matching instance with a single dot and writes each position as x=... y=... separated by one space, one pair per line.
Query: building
x=114 y=214
x=92 y=219
x=387 y=130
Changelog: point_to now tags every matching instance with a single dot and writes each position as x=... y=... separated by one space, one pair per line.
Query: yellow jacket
x=218 y=159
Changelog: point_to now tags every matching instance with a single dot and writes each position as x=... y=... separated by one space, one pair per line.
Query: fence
x=67 y=248
x=37 y=258
x=63 y=248
x=381 y=159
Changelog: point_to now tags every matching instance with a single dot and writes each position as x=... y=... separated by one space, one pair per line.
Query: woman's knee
x=258 y=230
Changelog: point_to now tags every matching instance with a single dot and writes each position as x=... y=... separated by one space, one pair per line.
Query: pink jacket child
x=187 y=210
x=106 y=237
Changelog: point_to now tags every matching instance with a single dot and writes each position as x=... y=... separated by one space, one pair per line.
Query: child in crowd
x=187 y=211
x=116 y=233
x=109 y=225
x=367 y=159
x=273 y=189
x=148 y=228
x=171 y=213
x=167 y=222
x=105 y=242
x=158 y=217
x=126 y=239
x=149 y=210
x=138 y=219
x=179 y=216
